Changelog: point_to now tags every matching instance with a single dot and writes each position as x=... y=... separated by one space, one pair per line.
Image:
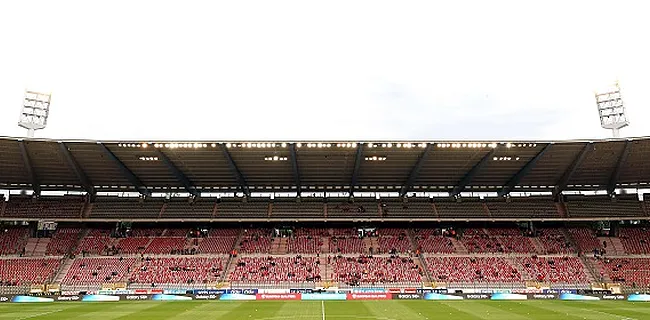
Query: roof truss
x=128 y=174
x=187 y=184
x=27 y=161
x=566 y=177
x=622 y=159
x=469 y=176
x=74 y=165
x=295 y=170
x=241 y=180
x=357 y=165
x=415 y=171
x=514 y=181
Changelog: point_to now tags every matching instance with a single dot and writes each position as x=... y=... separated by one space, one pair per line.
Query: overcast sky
x=324 y=69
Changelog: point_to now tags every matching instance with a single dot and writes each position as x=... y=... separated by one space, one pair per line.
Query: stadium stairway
x=63 y=270
x=31 y=245
x=459 y=247
x=41 y=247
x=593 y=270
x=326 y=269
x=280 y=246
x=562 y=209
x=326 y=245
x=539 y=248
x=614 y=246
x=87 y=209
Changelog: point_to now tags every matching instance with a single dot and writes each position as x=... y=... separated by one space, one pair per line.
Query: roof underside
x=267 y=166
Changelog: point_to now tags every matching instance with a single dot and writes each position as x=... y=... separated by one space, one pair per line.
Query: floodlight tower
x=611 y=109
x=36 y=109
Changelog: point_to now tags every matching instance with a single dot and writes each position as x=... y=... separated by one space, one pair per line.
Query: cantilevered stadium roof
x=264 y=166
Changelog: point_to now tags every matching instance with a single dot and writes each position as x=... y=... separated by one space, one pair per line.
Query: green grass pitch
x=330 y=310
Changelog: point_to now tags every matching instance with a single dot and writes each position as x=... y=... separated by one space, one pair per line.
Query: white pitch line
x=39 y=314
x=322 y=307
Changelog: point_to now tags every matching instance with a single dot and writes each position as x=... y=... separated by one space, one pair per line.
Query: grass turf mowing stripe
x=335 y=310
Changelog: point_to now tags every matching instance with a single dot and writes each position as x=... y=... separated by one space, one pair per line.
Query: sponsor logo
x=206 y=297
x=137 y=297
x=279 y=296
x=477 y=296
x=68 y=298
x=543 y=296
x=369 y=296
x=407 y=296
x=202 y=292
x=613 y=297
x=4 y=299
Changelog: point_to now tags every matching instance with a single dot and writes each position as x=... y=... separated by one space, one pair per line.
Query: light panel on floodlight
x=611 y=109
x=35 y=111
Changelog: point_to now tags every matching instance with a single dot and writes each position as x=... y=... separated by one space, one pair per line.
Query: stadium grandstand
x=84 y=215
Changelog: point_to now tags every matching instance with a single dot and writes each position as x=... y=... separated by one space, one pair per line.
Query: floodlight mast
x=35 y=111
x=611 y=110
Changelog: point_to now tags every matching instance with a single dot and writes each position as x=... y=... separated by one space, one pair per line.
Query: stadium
x=96 y=221
x=357 y=160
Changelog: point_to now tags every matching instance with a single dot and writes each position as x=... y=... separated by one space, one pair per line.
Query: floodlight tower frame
x=35 y=111
x=611 y=110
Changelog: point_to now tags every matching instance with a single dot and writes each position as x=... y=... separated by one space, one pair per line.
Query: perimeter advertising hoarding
x=236 y=297
x=371 y=290
x=639 y=297
x=508 y=296
x=169 y=297
x=577 y=297
x=100 y=298
x=441 y=296
x=369 y=296
x=279 y=296
x=407 y=296
x=5 y=298
x=22 y=299
x=324 y=296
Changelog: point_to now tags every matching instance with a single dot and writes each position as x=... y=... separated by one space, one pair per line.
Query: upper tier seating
x=635 y=240
x=200 y=208
x=256 y=241
x=121 y=207
x=352 y=244
x=13 y=240
x=472 y=270
x=534 y=207
x=62 y=241
x=304 y=244
x=554 y=270
x=165 y=245
x=26 y=271
x=394 y=239
x=178 y=270
x=603 y=206
x=554 y=241
x=467 y=208
x=275 y=269
x=45 y=207
x=86 y=271
x=360 y=208
x=585 y=239
x=223 y=245
x=503 y=240
x=375 y=270
x=414 y=207
x=237 y=208
x=306 y=208
x=432 y=241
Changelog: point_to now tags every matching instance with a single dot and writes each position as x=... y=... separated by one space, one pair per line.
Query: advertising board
x=369 y=296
